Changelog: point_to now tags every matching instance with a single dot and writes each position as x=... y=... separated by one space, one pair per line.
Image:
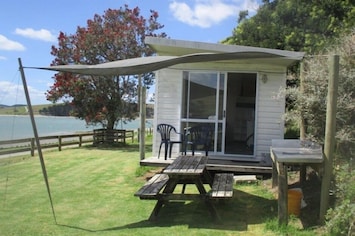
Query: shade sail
x=143 y=65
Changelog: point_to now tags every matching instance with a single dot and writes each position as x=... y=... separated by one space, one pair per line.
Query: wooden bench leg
x=169 y=188
x=282 y=194
x=155 y=212
x=211 y=207
x=214 y=213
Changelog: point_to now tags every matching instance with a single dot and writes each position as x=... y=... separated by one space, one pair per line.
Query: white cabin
x=240 y=96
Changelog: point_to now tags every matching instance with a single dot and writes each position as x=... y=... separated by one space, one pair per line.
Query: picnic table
x=187 y=170
x=285 y=153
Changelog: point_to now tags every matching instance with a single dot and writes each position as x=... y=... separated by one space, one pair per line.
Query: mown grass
x=93 y=193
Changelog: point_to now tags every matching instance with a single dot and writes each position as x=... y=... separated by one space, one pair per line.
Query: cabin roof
x=174 y=47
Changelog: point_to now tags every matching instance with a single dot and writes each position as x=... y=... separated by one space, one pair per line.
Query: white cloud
x=150 y=97
x=251 y=5
x=206 y=13
x=42 y=34
x=2 y=58
x=9 y=45
x=11 y=93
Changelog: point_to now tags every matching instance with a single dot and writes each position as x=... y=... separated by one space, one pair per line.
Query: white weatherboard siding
x=270 y=109
x=167 y=108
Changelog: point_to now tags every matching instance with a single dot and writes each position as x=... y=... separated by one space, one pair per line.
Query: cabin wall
x=167 y=108
x=270 y=111
x=270 y=105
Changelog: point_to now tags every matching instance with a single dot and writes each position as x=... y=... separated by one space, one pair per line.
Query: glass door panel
x=240 y=114
x=202 y=96
x=227 y=102
x=200 y=99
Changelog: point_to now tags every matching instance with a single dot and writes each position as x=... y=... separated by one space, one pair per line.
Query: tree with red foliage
x=117 y=35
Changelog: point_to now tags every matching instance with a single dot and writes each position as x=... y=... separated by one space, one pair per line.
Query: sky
x=29 y=28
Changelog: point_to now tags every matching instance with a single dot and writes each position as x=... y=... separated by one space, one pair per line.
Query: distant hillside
x=21 y=109
x=16 y=105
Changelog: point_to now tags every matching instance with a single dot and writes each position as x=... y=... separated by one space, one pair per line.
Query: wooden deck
x=217 y=165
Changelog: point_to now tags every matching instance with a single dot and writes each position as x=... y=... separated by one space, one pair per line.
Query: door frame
x=216 y=121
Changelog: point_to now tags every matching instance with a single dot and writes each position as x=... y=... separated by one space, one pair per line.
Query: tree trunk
x=110 y=133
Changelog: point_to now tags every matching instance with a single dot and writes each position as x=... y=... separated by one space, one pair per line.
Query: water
x=18 y=127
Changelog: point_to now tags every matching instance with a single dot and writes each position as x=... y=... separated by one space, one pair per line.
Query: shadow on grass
x=311 y=189
x=236 y=214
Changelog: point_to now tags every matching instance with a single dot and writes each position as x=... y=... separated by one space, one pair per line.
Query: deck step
x=245 y=178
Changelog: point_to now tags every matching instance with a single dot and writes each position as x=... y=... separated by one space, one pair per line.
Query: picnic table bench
x=186 y=170
x=152 y=187
x=222 y=186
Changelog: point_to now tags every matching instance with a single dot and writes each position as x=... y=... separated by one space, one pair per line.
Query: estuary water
x=18 y=127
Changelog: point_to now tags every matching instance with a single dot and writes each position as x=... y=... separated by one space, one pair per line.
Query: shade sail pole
x=142 y=118
x=330 y=132
x=38 y=144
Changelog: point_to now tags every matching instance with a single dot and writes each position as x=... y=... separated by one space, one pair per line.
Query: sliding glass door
x=205 y=101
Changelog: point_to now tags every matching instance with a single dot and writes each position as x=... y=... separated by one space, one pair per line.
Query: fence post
x=59 y=143
x=32 y=147
x=80 y=139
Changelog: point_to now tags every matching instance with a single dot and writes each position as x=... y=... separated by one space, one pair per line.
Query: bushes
x=310 y=106
x=341 y=219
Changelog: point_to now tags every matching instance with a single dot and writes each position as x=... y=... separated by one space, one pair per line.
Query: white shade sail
x=143 y=65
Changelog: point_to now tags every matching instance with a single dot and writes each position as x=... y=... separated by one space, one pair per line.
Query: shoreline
x=19 y=126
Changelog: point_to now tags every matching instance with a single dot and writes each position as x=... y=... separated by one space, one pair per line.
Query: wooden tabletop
x=296 y=155
x=296 y=151
x=187 y=165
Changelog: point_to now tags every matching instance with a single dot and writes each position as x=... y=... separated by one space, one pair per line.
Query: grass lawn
x=93 y=194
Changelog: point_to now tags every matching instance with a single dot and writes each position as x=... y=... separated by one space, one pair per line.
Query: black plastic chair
x=165 y=131
x=200 y=135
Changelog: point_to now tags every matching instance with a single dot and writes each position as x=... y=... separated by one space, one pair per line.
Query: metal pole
x=329 y=141
x=38 y=144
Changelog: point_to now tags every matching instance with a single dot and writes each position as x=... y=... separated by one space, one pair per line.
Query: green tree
x=118 y=34
x=310 y=105
x=296 y=25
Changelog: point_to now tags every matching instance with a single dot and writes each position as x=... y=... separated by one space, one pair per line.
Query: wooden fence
x=112 y=136
x=56 y=141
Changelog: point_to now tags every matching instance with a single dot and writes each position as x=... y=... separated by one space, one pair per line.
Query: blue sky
x=30 y=27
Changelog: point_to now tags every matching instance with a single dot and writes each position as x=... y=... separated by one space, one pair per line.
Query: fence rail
x=55 y=141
